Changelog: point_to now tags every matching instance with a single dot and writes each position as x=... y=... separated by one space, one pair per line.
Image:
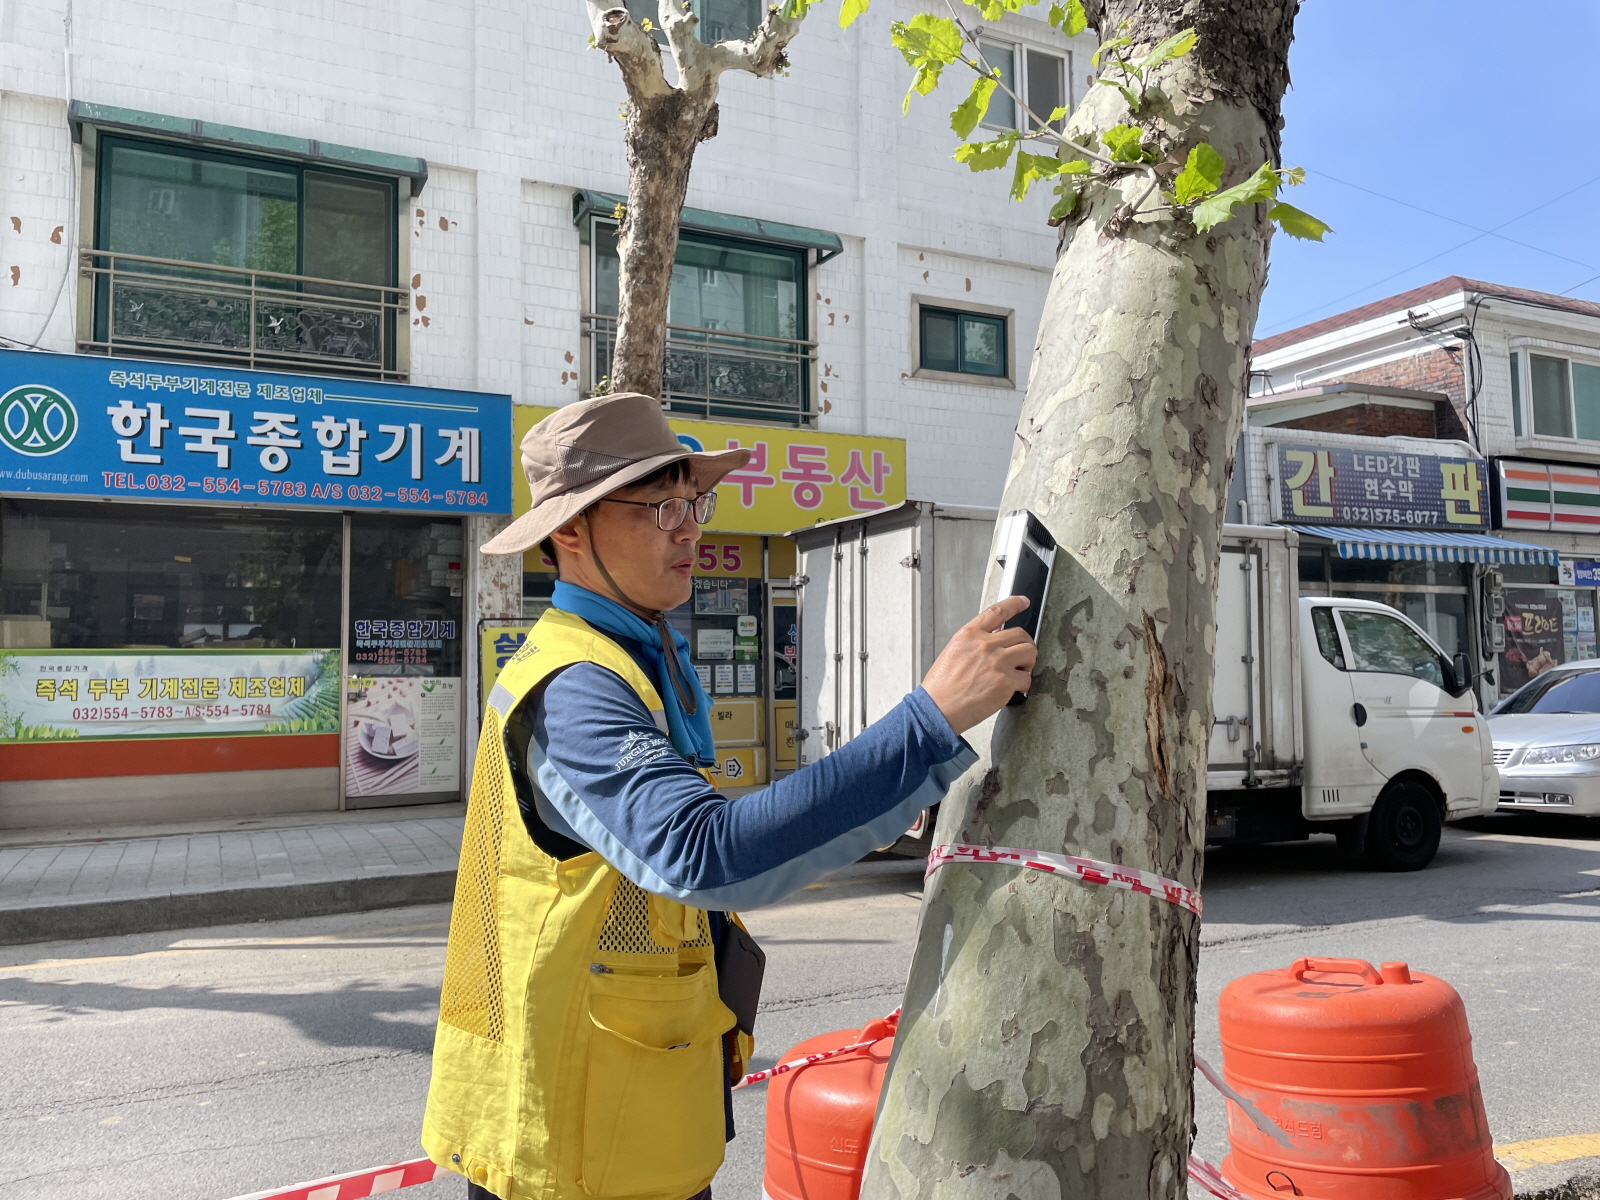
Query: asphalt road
x=213 y=1063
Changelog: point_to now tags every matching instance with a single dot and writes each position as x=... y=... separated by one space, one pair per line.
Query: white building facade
x=423 y=197
x=1507 y=375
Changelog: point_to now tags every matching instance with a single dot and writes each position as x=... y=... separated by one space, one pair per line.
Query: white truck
x=1330 y=715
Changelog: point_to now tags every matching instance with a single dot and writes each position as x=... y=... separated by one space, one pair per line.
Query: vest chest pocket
x=652 y=1111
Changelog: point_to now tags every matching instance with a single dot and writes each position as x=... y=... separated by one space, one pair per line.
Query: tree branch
x=761 y=54
x=631 y=48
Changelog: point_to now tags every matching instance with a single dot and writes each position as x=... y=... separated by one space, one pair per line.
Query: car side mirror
x=1462 y=669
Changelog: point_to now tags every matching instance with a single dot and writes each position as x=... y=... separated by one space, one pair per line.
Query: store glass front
x=1436 y=595
x=1544 y=624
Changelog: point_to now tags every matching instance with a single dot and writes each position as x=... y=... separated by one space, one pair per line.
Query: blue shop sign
x=1586 y=574
x=82 y=425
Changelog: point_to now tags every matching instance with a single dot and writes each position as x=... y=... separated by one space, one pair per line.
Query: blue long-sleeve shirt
x=608 y=779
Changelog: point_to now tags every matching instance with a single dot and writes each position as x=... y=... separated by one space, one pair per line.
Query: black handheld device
x=1027 y=553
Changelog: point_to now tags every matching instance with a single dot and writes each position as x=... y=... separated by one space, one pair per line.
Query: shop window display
x=169 y=577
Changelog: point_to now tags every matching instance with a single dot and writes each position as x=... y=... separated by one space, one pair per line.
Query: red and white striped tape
x=374 y=1181
x=1211 y=1179
x=795 y=1064
x=1088 y=870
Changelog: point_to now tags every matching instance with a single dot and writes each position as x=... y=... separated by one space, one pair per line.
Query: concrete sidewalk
x=96 y=883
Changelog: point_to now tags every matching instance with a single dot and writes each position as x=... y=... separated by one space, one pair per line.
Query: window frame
x=1522 y=352
x=1005 y=315
x=102 y=181
x=804 y=322
x=1020 y=50
x=1445 y=666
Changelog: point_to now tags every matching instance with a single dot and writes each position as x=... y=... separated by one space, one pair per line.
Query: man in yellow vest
x=585 y=1044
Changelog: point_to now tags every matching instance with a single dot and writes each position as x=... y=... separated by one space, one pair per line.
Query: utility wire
x=1289 y=321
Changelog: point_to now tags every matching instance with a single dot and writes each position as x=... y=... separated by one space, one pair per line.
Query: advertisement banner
x=1337 y=485
x=51 y=695
x=796 y=477
x=83 y=425
x=1535 y=630
x=402 y=735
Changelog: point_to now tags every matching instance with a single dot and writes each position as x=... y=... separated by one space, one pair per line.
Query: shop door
x=404 y=697
x=1398 y=677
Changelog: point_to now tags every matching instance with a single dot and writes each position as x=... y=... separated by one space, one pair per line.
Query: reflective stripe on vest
x=579 y=1047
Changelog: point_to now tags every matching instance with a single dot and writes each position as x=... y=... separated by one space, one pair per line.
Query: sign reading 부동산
x=51 y=695
x=83 y=425
x=1338 y=485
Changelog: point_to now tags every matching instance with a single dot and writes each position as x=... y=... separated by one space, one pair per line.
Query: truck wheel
x=1403 y=828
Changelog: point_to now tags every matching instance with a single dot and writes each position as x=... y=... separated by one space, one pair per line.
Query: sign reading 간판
x=1338 y=485
x=83 y=425
x=796 y=477
x=51 y=695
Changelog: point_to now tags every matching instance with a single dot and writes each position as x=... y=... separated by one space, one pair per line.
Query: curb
x=1579 y=1187
x=224 y=906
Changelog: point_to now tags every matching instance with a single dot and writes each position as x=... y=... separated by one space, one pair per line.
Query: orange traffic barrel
x=1368 y=1073
x=819 y=1117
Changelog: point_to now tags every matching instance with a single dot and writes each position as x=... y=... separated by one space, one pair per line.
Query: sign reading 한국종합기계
x=82 y=425
x=1338 y=485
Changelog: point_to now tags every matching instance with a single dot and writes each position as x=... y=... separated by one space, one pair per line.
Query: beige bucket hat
x=586 y=450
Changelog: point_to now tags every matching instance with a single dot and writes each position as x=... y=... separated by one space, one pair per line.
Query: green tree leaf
x=1112 y=44
x=1298 y=224
x=1067 y=204
x=795 y=10
x=1069 y=17
x=1128 y=94
x=1126 y=143
x=971 y=110
x=929 y=44
x=986 y=156
x=1030 y=168
x=849 y=10
x=1217 y=208
x=1294 y=176
x=1200 y=175
x=1175 y=46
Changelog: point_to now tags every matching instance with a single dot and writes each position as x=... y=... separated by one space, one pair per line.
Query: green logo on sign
x=36 y=420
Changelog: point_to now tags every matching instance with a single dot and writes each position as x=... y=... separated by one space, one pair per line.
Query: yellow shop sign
x=796 y=477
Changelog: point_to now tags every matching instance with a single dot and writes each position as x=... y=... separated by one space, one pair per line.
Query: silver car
x=1547 y=742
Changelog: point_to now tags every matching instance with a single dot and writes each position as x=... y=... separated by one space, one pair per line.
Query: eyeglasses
x=670 y=513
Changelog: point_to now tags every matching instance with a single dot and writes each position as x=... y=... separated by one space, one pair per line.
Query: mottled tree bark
x=665 y=121
x=1046 y=1049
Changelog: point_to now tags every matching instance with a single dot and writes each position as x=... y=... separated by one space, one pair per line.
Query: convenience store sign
x=70 y=695
x=795 y=478
x=134 y=429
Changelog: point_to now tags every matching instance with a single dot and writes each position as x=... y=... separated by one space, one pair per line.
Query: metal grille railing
x=716 y=373
x=240 y=317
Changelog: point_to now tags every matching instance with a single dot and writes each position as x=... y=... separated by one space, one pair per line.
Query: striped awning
x=1426 y=546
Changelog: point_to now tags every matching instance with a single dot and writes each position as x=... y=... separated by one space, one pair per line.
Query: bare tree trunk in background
x=1046 y=1049
x=664 y=124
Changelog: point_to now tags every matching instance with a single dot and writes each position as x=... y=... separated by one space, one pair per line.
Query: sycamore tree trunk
x=1046 y=1048
x=665 y=121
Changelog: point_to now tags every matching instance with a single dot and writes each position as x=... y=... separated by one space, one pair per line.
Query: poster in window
x=1535 y=640
x=402 y=735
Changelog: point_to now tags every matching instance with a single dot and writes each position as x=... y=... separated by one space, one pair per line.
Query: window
x=114 y=576
x=1040 y=78
x=1516 y=396
x=1327 y=636
x=1557 y=692
x=736 y=335
x=964 y=343
x=1565 y=397
x=1383 y=644
x=720 y=20
x=225 y=216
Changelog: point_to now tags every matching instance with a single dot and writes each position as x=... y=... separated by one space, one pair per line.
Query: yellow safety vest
x=579 y=1048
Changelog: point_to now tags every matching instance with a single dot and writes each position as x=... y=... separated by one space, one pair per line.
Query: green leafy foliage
x=988 y=156
x=1200 y=175
x=971 y=110
x=1217 y=208
x=1116 y=43
x=794 y=10
x=993 y=10
x=1175 y=46
x=849 y=10
x=1030 y=169
x=1296 y=223
x=1069 y=17
x=928 y=43
x=1126 y=143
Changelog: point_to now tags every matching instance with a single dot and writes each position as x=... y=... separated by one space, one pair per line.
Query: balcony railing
x=715 y=373
x=239 y=317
